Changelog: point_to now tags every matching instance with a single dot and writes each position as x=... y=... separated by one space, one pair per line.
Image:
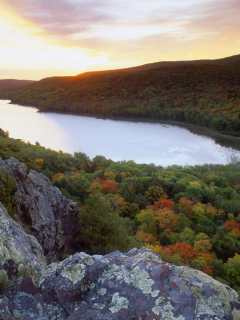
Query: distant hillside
x=233 y=61
x=12 y=83
x=200 y=93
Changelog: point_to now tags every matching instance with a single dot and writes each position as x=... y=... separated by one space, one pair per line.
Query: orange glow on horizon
x=37 y=40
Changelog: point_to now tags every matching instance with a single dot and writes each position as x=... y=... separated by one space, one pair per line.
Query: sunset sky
x=42 y=38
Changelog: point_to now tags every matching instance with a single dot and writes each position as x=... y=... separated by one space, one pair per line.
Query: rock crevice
x=48 y=215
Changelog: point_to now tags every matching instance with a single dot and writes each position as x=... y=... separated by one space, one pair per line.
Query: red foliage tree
x=185 y=251
x=109 y=186
x=231 y=226
x=164 y=203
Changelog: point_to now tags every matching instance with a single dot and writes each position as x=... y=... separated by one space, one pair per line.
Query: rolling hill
x=203 y=92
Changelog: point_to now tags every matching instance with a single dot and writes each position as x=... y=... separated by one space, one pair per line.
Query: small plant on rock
x=3 y=280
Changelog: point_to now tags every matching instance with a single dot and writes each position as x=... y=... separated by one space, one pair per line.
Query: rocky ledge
x=136 y=285
x=44 y=212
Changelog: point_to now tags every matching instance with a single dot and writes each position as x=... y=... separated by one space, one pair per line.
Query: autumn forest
x=189 y=215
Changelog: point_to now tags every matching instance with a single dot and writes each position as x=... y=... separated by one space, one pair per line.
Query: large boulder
x=136 y=285
x=47 y=214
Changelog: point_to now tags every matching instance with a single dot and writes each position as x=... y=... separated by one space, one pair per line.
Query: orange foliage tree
x=39 y=161
x=163 y=203
x=120 y=204
x=109 y=186
x=202 y=243
x=168 y=220
x=57 y=176
x=232 y=226
x=147 y=238
x=184 y=250
x=96 y=186
x=185 y=206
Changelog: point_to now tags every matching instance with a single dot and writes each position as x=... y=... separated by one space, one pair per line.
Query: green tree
x=183 y=222
x=224 y=246
x=148 y=222
x=232 y=269
x=6 y=188
x=187 y=236
x=102 y=230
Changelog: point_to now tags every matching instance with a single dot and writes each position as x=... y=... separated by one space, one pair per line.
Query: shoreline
x=222 y=139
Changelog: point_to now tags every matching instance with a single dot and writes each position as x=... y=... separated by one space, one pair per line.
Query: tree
x=56 y=176
x=224 y=246
x=6 y=188
x=185 y=206
x=148 y=221
x=155 y=193
x=109 y=186
x=202 y=243
x=148 y=239
x=201 y=264
x=187 y=236
x=185 y=251
x=119 y=204
x=232 y=226
x=163 y=203
x=96 y=186
x=206 y=226
x=39 y=161
x=183 y=222
x=102 y=230
x=199 y=211
x=168 y=220
x=232 y=269
x=195 y=191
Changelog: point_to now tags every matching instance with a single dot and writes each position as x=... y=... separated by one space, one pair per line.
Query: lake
x=144 y=142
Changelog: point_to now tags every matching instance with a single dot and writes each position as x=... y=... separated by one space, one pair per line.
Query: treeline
x=189 y=215
x=205 y=95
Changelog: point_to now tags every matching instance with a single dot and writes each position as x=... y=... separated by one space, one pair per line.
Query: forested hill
x=233 y=61
x=202 y=94
x=12 y=83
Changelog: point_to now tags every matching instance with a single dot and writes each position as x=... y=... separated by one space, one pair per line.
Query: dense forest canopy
x=189 y=215
x=205 y=95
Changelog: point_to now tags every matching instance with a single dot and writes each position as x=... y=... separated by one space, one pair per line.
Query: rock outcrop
x=49 y=215
x=136 y=285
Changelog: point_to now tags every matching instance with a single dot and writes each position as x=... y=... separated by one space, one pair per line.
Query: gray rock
x=20 y=254
x=49 y=215
x=120 y=286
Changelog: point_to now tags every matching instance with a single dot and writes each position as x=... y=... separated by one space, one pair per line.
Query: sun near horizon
x=40 y=38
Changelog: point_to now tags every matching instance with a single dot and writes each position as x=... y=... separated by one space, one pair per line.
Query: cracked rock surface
x=49 y=215
x=136 y=285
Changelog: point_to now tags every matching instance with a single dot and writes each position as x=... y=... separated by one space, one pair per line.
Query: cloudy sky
x=41 y=38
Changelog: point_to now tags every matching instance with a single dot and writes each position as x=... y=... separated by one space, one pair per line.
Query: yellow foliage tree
x=168 y=220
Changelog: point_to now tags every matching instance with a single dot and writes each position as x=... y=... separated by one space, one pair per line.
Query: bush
x=3 y=280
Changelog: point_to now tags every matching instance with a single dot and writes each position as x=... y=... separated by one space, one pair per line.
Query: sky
x=43 y=38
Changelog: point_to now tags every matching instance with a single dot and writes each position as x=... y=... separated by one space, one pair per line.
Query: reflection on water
x=142 y=142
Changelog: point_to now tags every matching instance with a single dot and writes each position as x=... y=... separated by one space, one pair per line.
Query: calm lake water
x=143 y=142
